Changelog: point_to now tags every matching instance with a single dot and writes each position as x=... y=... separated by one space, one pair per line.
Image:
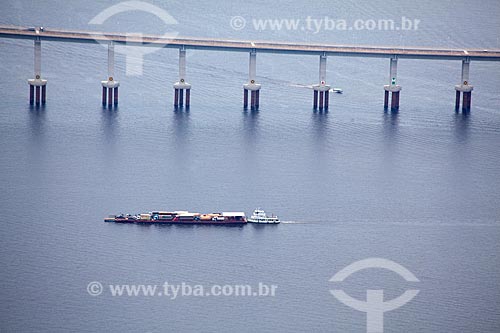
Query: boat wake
x=298 y=85
x=333 y=90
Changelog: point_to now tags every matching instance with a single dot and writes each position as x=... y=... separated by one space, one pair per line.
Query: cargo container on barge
x=180 y=217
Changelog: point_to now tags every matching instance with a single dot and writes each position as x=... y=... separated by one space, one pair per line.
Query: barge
x=180 y=217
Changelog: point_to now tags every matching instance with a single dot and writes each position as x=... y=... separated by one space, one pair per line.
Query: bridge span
x=321 y=90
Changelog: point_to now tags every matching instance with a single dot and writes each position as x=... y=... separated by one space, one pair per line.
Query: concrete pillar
x=38 y=58
x=38 y=92
x=321 y=90
x=111 y=69
x=37 y=98
x=245 y=98
x=37 y=82
x=465 y=71
x=104 y=90
x=394 y=77
x=188 y=98
x=466 y=102
x=111 y=59
x=182 y=85
x=182 y=74
x=464 y=88
x=252 y=85
x=252 y=66
x=395 y=100
x=110 y=97
x=32 y=95
x=322 y=69
x=176 y=97
x=110 y=87
x=393 y=71
x=393 y=88
x=182 y=65
x=44 y=94
x=466 y=95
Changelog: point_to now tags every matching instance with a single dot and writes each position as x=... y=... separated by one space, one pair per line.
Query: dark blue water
x=420 y=187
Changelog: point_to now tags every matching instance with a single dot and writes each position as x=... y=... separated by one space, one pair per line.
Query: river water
x=420 y=187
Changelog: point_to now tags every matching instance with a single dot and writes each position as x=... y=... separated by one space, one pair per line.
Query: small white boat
x=260 y=216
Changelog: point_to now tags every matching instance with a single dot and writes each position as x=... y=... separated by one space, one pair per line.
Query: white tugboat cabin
x=260 y=216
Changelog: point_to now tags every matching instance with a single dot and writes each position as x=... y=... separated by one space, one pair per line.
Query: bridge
x=321 y=89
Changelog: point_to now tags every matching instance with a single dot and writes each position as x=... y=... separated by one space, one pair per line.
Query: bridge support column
x=110 y=92
x=38 y=83
x=110 y=87
x=386 y=99
x=115 y=96
x=252 y=86
x=321 y=97
x=393 y=88
x=104 y=94
x=245 y=98
x=180 y=100
x=176 y=97
x=181 y=85
x=110 y=97
x=321 y=91
x=37 y=89
x=188 y=97
x=44 y=94
x=32 y=94
x=464 y=88
x=327 y=100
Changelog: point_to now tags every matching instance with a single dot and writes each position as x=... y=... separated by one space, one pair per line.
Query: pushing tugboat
x=260 y=216
x=180 y=217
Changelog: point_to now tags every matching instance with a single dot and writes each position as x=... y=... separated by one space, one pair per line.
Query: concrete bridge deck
x=49 y=34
